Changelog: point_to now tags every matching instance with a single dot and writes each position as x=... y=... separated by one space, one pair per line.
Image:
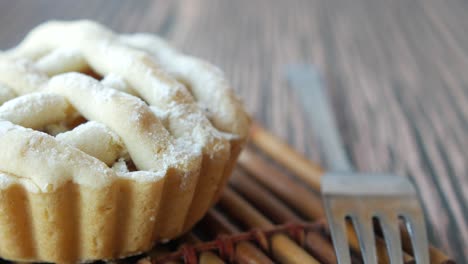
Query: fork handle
x=306 y=80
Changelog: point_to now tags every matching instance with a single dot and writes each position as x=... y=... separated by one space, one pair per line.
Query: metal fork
x=362 y=198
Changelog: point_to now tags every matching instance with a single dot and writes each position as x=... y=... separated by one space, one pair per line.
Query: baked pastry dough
x=102 y=168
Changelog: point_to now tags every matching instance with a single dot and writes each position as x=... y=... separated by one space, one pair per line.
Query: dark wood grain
x=397 y=71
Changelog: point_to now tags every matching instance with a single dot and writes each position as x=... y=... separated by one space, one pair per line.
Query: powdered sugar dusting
x=35 y=110
x=117 y=82
x=120 y=167
x=34 y=78
x=5 y=126
x=26 y=104
x=8 y=179
x=189 y=134
x=6 y=93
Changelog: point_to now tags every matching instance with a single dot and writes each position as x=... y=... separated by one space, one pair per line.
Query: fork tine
x=340 y=238
x=417 y=230
x=365 y=232
x=391 y=234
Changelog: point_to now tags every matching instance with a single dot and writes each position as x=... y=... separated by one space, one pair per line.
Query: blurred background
x=396 y=70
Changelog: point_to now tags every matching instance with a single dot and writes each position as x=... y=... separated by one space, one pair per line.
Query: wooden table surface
x=397 y=72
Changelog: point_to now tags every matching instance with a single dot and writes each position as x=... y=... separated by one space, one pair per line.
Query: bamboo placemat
x=269 y=213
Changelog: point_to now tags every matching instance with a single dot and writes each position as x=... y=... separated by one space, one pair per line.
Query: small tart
x=110 y=143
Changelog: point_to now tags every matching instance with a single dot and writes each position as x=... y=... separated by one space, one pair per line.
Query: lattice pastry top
x=154 y=110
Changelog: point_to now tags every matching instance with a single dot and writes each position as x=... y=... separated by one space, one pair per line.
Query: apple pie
x=109 y=143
